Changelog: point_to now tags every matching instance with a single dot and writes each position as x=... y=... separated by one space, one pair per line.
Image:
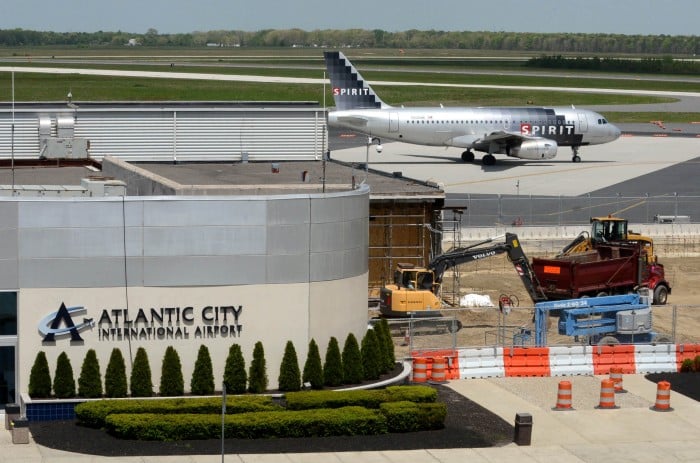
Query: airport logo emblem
x=60 y=323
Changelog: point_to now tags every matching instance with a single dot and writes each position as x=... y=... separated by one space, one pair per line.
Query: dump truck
x=606 y=269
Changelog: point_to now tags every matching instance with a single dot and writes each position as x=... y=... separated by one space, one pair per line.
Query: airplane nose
x=616 y=132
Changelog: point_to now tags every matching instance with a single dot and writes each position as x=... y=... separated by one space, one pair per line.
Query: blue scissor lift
x=606 y=320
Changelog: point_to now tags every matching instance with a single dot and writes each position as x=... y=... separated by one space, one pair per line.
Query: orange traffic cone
x=616 y=377
x=663 y=397
x=563 y=397
x=607 y=395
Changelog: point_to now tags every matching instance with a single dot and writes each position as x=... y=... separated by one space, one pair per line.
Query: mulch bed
x=468 y=425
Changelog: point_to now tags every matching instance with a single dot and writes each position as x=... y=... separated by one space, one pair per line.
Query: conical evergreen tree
x=313 y=371
x=333 y=364
x=389 y=344
x=257 y=377
x=90 y=380
x=40 y=378
x=235 y=376
x=290 y=377
x=371 y=358
x=63 y=381
x=353 y=372
x=202 y=382
x=141 y=380
x=115 y=375
x=171 y=380
x=381 y=348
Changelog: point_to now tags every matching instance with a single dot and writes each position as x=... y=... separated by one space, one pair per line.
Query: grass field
x=441 y=68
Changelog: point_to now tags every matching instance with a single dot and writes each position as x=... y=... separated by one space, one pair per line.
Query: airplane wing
x=482 y=143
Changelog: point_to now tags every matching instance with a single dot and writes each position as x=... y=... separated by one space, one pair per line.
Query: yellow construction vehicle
x=609 y=230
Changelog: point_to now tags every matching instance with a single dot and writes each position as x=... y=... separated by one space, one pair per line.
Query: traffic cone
x=607 y=395
x=616 y=378
x=564 y=397
x=663 y=397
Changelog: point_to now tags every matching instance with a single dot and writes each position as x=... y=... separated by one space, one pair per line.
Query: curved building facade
x=153 y=272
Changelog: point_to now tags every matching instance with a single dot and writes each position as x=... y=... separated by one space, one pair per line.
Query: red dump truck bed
x=607 y=269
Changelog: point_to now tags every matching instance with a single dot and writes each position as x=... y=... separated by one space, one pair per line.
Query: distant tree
x=90 y=380
x=115 y=375
x=202 y=382
x=63 y=381
x=141 y=380
x=371 y=357
x=171 y=381
x=313 y=370
x=353 y=372
x=257 y=376
x=40 y=377
x=333 y=364
x=290 y=377
x=235 y=376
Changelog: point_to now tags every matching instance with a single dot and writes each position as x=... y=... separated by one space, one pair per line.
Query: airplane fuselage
x=464 y=127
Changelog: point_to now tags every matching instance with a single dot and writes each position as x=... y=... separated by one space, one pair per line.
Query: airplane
x=532 y=133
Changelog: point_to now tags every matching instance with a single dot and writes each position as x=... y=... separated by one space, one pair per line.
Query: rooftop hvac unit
x=64 y=148
x=103 y=186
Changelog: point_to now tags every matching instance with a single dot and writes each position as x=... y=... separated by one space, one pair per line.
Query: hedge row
x=346 y=421
x=93 y=414
x=364 y=398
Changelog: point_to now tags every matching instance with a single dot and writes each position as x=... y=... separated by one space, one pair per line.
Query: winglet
x=350 y=90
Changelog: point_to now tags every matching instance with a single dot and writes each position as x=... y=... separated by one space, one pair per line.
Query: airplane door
x=582 y=122
x=393 y=122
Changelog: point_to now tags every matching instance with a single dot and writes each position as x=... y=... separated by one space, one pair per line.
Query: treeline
x=666 y=65
x=468 y=40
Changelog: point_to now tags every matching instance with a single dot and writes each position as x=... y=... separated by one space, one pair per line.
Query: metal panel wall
x=183 y=241
x=177 y=133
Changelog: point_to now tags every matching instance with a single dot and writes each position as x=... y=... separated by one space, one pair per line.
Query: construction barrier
x=526 y=361
x=616 y=378
x=439 y=370
x=420 y=370
x=663 y=397
x=564 y=397
x=607 y=395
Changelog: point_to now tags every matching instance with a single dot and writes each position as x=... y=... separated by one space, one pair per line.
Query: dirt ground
x=496 y=277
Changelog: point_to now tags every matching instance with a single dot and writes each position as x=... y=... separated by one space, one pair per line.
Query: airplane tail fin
x=350 y=90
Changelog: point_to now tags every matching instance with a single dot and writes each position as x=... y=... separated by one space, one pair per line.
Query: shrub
x=202 y=382
x=381 y=348
x=257 y=377
x=371 y=357
x=333 y=365
x=90 y=380
x=115 y=375
x=696 y=363
x=307 y=423
x=141 y=381
x=313 y=371
x=290 y=376
x=40 y=377
x=687 y=366
x=388 y=344
x=63 y=381
x=235 y=376
x=352 y=361
x=409 y=416
x=94 y=413
x=171 y=381
x=363 y=398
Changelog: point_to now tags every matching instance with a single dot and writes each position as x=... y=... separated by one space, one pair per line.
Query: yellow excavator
x=609 y=230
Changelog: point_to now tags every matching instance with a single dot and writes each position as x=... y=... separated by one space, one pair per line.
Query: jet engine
x=535 y=149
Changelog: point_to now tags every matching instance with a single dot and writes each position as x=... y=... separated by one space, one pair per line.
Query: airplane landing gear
x=468 y=156
x=488 y=160
x=575 y=157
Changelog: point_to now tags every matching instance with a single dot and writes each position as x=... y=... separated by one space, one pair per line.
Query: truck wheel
x=608 y=341
x=660 y=295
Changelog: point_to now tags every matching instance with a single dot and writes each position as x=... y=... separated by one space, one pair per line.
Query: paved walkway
x=629 y=434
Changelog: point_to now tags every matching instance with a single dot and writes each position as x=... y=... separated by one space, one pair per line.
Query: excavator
x=415 y=290
x=609 y=230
